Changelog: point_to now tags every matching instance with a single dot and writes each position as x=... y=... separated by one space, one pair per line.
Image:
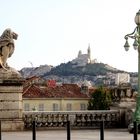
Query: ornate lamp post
x=136 y=36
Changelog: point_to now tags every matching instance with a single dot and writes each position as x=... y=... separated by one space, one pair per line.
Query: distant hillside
x=69 y=69
x=37 y=71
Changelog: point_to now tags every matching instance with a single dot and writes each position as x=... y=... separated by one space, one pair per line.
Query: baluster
x=92 y=119
x=87 y=119
x=83 y=119
x=57 y=119
x=78 y=119
x=43 y=120
x=50 y=119
x=61 y=121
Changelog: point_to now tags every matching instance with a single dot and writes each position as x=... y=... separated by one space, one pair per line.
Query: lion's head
x=8 y=34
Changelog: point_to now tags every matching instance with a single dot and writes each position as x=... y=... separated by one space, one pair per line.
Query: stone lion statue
x=6 y=46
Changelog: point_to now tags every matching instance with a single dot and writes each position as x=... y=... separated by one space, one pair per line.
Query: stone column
x=11 y=89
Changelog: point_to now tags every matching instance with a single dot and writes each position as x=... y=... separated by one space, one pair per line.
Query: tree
x=100 y=99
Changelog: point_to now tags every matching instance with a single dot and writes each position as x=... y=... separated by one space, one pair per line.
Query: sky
x=53 y=31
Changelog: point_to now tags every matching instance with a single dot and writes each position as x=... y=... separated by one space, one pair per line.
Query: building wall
x=122 y=78
x=60 y=104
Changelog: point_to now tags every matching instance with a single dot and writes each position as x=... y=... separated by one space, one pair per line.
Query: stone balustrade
x=78 y=119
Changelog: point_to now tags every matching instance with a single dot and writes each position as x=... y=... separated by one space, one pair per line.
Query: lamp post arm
x=131 y=35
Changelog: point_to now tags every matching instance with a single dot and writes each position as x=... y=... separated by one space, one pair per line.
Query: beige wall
x=48 y=103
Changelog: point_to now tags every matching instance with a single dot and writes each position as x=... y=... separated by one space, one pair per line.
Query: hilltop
x=70 y=69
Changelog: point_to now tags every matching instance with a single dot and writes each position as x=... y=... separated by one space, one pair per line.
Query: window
x=82 y=107
x=69 y=107
x=55 y=107
x=26 y=107
x=41 y=107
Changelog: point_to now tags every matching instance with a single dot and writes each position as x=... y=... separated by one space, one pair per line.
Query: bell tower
x=89 y=52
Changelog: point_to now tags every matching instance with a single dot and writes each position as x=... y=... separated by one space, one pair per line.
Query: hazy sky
x=53 y=31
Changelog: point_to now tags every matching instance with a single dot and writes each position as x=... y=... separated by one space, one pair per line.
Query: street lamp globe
x=137 y=18
x=135 y=44
x=126 y=45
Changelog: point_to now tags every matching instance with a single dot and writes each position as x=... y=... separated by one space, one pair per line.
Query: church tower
x=89 y=52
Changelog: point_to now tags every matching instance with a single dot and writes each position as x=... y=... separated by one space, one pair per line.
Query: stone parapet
x=78 y=119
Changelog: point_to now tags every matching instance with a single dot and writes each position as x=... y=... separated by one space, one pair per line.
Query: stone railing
x=78 y=119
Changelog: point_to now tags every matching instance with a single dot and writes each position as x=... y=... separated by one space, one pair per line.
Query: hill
x=96 y=74
x=70 y=69
x=35 y=71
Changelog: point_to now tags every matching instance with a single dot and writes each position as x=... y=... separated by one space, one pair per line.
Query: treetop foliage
x=100 y=99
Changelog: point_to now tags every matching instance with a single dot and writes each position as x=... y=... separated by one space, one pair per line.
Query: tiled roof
x=63 y=91
x=32 y=91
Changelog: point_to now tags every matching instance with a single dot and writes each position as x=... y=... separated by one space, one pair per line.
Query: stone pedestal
x=124 y=105
x=11 y=89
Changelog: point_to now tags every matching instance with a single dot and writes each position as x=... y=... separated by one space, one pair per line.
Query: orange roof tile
x=32 y=91
x=64 y=91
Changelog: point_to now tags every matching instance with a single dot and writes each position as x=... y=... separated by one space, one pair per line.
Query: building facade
x=122 y=78
x=51 y=97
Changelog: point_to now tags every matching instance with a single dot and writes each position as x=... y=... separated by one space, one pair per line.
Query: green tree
x=100 y=99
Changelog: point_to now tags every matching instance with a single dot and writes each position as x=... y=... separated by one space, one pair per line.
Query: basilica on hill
x=83 y=59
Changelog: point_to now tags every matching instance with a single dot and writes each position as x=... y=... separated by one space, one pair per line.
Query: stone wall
x=11 y=89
